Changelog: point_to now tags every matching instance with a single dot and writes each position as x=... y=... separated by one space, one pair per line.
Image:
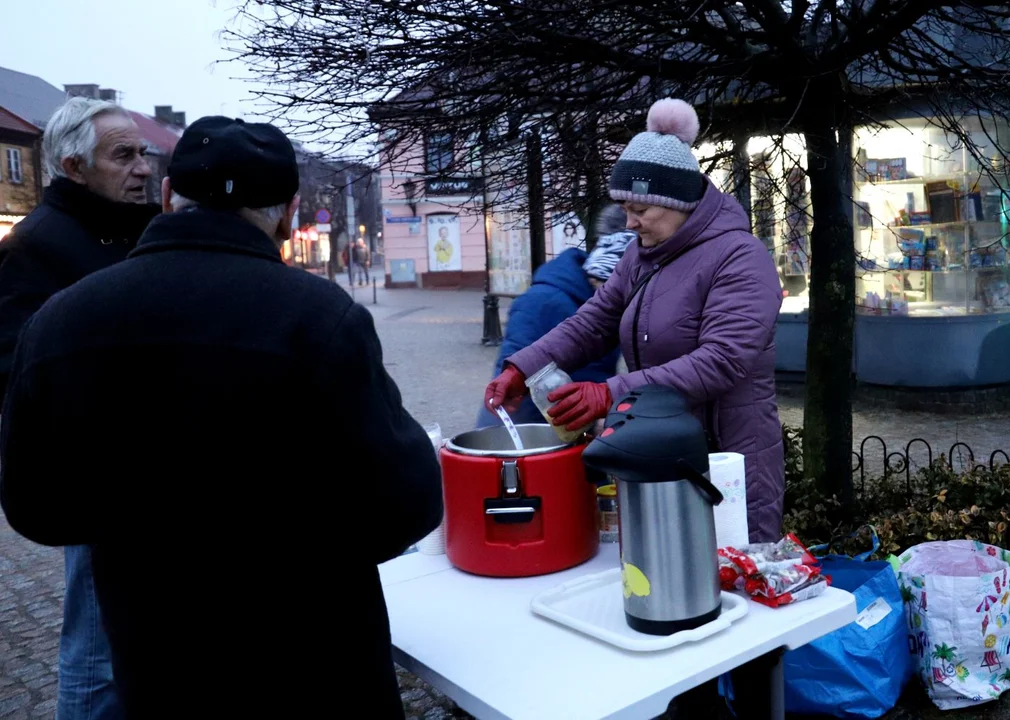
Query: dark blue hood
x=565 y=273
x=559 y=288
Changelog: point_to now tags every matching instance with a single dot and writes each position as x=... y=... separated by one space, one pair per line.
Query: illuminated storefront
x=930 y=224
x=7 y=223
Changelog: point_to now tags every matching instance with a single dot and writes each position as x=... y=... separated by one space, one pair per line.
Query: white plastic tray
x=594 y=605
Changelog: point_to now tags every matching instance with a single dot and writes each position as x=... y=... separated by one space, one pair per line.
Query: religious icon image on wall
x=566 y=232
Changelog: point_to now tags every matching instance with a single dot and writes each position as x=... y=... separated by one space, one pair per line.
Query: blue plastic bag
x=860 y=670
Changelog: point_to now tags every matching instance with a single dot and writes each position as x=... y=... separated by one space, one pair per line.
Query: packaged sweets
x=773 y=574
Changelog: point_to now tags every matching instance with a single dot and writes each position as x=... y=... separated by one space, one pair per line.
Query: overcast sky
x=156 y=52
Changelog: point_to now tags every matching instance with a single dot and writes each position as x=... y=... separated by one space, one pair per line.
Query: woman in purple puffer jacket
x=692 y=305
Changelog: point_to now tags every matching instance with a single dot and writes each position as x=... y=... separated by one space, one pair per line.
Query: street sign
x=323 y=216
x=453 y=186
x=323 y=227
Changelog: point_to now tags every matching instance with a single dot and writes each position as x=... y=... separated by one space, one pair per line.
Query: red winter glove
x=578 y=404
x=507 y=389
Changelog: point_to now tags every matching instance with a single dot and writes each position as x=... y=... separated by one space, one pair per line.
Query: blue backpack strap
x=875 y=540
x=817 y=550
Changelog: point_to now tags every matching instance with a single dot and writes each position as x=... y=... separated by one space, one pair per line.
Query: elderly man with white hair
x=91 y=216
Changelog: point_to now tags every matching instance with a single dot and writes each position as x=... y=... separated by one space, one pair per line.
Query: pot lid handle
x=710 y=491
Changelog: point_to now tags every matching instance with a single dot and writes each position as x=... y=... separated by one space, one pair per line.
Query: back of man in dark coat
x=191 y=393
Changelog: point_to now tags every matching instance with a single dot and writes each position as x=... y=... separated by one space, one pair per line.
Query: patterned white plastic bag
x=957 y=604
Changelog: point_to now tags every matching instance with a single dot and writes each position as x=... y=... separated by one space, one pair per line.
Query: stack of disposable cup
x=434 y=543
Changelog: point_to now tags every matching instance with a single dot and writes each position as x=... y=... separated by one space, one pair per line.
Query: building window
x=14 y=165
x=438 y=152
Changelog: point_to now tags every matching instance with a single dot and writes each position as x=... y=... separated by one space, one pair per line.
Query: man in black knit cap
x=172 y=412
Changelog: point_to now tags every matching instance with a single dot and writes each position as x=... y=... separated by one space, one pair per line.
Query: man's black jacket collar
x=202 y=229
x=110 y=222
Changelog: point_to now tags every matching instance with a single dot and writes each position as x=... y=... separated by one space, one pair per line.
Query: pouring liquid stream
x=510 y=427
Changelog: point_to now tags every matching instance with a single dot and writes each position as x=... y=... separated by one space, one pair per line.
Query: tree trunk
x=597 y=181
x=741 y=176
x=827 y=415
x=535 y=201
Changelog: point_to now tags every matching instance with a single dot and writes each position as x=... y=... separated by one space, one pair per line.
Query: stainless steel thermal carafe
x=658 y=451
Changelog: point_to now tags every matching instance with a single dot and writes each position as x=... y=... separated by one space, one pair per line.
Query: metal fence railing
x=898 y=462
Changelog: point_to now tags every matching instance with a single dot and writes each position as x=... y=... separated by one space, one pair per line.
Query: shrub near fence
x=949 y=497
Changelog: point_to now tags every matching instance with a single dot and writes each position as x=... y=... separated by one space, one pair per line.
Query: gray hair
x=70 y=132
x=612 y=219
x=270 y=214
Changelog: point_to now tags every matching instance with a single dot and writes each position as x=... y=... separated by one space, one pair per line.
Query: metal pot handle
x=701 y=482
x=510 y=512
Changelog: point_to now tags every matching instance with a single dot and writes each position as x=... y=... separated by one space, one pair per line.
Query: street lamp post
x=492 y=321
x=535 y=200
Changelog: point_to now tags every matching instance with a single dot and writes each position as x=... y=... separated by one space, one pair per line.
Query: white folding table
x=477 y=641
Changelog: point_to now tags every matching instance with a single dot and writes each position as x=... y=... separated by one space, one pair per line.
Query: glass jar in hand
x=541 y=384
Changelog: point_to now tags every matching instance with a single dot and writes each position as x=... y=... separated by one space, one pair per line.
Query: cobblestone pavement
x=31 y=592
x=431 y=343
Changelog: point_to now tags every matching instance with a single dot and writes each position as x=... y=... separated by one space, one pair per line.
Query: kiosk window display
x=931 y=222
x=931 y=227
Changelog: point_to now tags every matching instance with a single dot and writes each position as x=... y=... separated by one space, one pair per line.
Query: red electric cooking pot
x=517 y=513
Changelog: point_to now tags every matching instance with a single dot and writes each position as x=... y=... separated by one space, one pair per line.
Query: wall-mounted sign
x=445 y=251
x=413 y=223
x=453 y=186
x=509 y=270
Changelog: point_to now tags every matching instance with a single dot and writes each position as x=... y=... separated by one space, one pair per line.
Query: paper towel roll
x=727 y=472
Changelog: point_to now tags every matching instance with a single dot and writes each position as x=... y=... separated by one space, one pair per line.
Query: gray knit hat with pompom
x=657 y=167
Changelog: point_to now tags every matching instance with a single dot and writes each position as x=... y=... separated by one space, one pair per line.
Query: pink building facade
x=433 y=232
x=436 y=235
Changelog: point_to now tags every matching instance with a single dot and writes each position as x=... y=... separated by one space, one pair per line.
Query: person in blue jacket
x=559 y=288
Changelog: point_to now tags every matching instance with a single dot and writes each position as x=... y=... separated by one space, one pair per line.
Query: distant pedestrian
x=362 y=259
x=91 y=216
